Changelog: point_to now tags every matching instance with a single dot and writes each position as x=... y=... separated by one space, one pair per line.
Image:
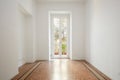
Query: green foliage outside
x=64 y=48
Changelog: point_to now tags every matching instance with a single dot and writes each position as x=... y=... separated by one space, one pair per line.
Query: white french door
x=59 y=24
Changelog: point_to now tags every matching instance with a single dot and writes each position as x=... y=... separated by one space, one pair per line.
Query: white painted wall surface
x=34 y=30
x=8 y=39
x=28 y=38
x=27 y=5
x=27 y=31
x=21 y=22
x=104 y=39
x=78 y=11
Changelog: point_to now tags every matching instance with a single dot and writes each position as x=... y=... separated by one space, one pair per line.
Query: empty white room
x=59 y=39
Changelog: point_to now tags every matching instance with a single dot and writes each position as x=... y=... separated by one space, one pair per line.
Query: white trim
x=70 y=35
x=49 y=33
x=60 y=12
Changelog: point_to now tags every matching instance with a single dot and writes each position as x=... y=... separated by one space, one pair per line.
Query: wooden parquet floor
x=60 y=69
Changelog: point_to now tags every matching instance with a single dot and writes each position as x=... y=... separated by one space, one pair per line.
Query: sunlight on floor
x=61 y=72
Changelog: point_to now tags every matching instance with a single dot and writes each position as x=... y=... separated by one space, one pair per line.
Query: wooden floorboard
x=23 y=70
x=96 y=72
x=61 y=69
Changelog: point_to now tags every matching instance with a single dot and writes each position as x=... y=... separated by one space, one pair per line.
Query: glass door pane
x=64 y=35
x=56 y=30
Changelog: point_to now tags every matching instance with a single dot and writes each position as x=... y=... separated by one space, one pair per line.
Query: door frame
x=70 y=33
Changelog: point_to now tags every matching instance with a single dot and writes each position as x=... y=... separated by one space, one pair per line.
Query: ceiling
x=61 y=0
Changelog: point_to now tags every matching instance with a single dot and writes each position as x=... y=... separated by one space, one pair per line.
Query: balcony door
x=59 y=24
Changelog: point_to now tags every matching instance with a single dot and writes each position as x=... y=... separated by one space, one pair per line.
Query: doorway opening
x=59 y=35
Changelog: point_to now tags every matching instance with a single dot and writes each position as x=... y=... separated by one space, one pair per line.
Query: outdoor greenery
x=64 y=48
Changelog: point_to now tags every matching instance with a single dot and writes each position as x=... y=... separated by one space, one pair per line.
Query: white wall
x=17 y=35
x=34 y=30
x=8 y=39
x=27 y=5
x=27 y=31
x=103 y=29
x=25 y=38
x=28 y=38
x=21 y=54
x=78 y=11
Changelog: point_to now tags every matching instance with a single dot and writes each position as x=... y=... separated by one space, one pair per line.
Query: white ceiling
x=61 y=0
